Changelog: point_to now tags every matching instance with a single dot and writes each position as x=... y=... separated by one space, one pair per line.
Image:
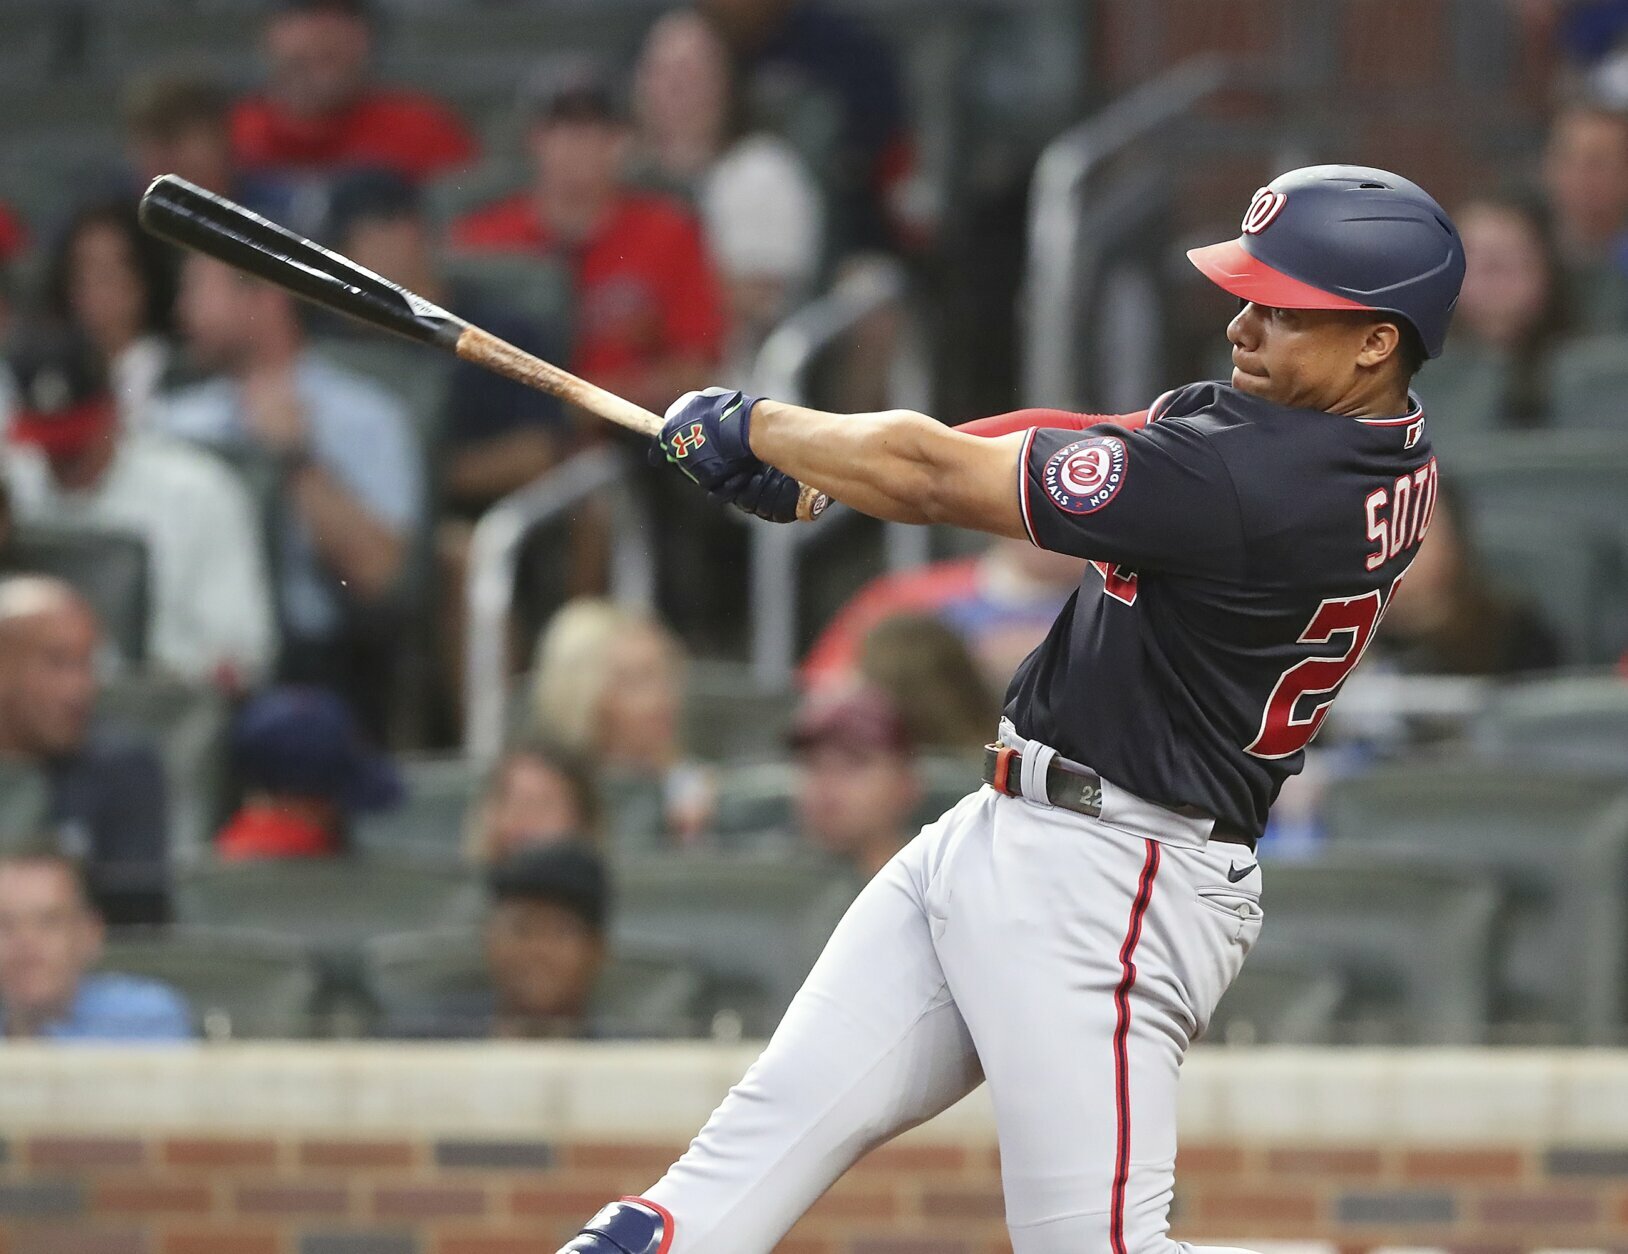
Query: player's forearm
x=895 y=465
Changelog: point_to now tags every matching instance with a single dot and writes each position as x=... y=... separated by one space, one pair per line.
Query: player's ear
x=1380 y=344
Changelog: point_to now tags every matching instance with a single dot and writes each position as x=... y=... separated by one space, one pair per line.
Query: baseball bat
x=186 y=214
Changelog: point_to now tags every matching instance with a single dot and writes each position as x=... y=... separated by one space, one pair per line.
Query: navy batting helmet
x=1345 y=237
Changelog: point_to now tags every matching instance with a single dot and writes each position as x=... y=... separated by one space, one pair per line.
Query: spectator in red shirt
x=320 y=110
x=649 y=322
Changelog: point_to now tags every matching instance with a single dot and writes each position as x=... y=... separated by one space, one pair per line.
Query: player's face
x=1305 y=358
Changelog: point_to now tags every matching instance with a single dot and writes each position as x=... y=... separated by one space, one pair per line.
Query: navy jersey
x=1244 y=554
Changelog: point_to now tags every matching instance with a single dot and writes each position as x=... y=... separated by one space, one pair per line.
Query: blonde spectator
x=608 y=683
x=537 y=794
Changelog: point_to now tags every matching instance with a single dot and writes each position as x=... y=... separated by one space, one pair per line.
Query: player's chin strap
x=631 y=1226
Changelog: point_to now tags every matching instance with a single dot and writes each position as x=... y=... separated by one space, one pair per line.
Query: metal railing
x=493 y=560
x=1061 y=257
x=782 y=370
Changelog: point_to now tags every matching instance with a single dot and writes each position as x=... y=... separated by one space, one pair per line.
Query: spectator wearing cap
x=306 y=771
x=50 y=943
x=321 y=111
x=858 y=783
x=105 y=793
x=180 y=123
x=649 y=321
x=545 y=945
x=343 y=462
x=759 y=203
x=71 y=465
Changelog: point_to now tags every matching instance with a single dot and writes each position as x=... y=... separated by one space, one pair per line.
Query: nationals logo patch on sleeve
x=1083 y=476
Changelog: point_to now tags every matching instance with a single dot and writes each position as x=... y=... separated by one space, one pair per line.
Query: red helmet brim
x=1230 y=267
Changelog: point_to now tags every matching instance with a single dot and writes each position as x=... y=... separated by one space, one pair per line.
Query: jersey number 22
x=1285 y=728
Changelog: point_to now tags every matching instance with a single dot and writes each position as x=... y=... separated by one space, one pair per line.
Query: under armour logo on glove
x=686 y=442
x=706 y=436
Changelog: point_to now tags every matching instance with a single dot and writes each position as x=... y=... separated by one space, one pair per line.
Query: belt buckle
x=1004 y=756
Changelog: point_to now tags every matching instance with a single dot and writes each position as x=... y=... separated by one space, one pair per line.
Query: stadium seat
x=1573 y=722
x=760 y=797
x=108 y=568
x=1567 y=485
x=1589 y=376
x=1281 y=1002
x=429 y=824
x=239 y=984
x=1557 y=841
x=1571 y=581
x=416 y=978
x=729 y=715
x=417 y=378
x=334 y=904
x=754 y=925
x=1411 y=938
x=187 y=723
x=1462 y=394
x=534 y=287
x=25 y=803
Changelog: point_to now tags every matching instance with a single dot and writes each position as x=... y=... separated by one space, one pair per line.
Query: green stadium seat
x=334 y=904
x=25 y=803
x=240 y=985
x=187 y=723
x=758 y=798
x=1281 y=1002
x=1463 y=394
x=537 y=288
x=1557 y=843
x=729 y=715
x=754 y=925
x=415 y=979
x=1412 y=939
x=1589 y=377
x=108 y=568
x=1569 y=580
x=1558 y=484
x=430 y=822
x=1577 y=722
x=417 y=378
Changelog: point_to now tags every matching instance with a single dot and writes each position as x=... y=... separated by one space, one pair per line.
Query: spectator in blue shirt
x=50 y=941
x=341 y=450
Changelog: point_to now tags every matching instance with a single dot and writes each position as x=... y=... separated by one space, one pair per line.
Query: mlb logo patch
x=1415 y=433
x=1082 y=477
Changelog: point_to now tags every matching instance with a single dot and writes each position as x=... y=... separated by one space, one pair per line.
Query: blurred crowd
x=235 y=535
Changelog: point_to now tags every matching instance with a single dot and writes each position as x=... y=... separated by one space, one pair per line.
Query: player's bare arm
x=896 y=465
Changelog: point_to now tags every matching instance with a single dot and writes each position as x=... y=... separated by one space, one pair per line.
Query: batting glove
x=765 y=493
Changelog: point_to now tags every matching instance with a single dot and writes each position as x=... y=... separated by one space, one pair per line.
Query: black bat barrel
x=186 y=214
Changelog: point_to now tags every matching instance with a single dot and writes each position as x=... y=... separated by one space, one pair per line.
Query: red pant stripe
x=1122 y=1031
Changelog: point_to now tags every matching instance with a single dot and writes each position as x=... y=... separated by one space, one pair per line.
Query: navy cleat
x=631 y=1226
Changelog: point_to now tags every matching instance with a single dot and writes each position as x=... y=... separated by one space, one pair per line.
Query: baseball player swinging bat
x=192 y=217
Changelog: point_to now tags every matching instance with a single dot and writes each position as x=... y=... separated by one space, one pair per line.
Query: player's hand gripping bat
x=186 y=214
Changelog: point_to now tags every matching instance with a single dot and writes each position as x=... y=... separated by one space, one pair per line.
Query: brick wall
x=179 y=1194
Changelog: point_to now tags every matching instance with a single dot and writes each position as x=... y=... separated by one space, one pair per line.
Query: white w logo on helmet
x=1263 y=210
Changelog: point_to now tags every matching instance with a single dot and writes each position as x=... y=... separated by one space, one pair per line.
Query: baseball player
x=1066 y=931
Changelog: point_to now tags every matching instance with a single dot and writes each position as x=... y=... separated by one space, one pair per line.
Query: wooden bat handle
x=487 y=350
